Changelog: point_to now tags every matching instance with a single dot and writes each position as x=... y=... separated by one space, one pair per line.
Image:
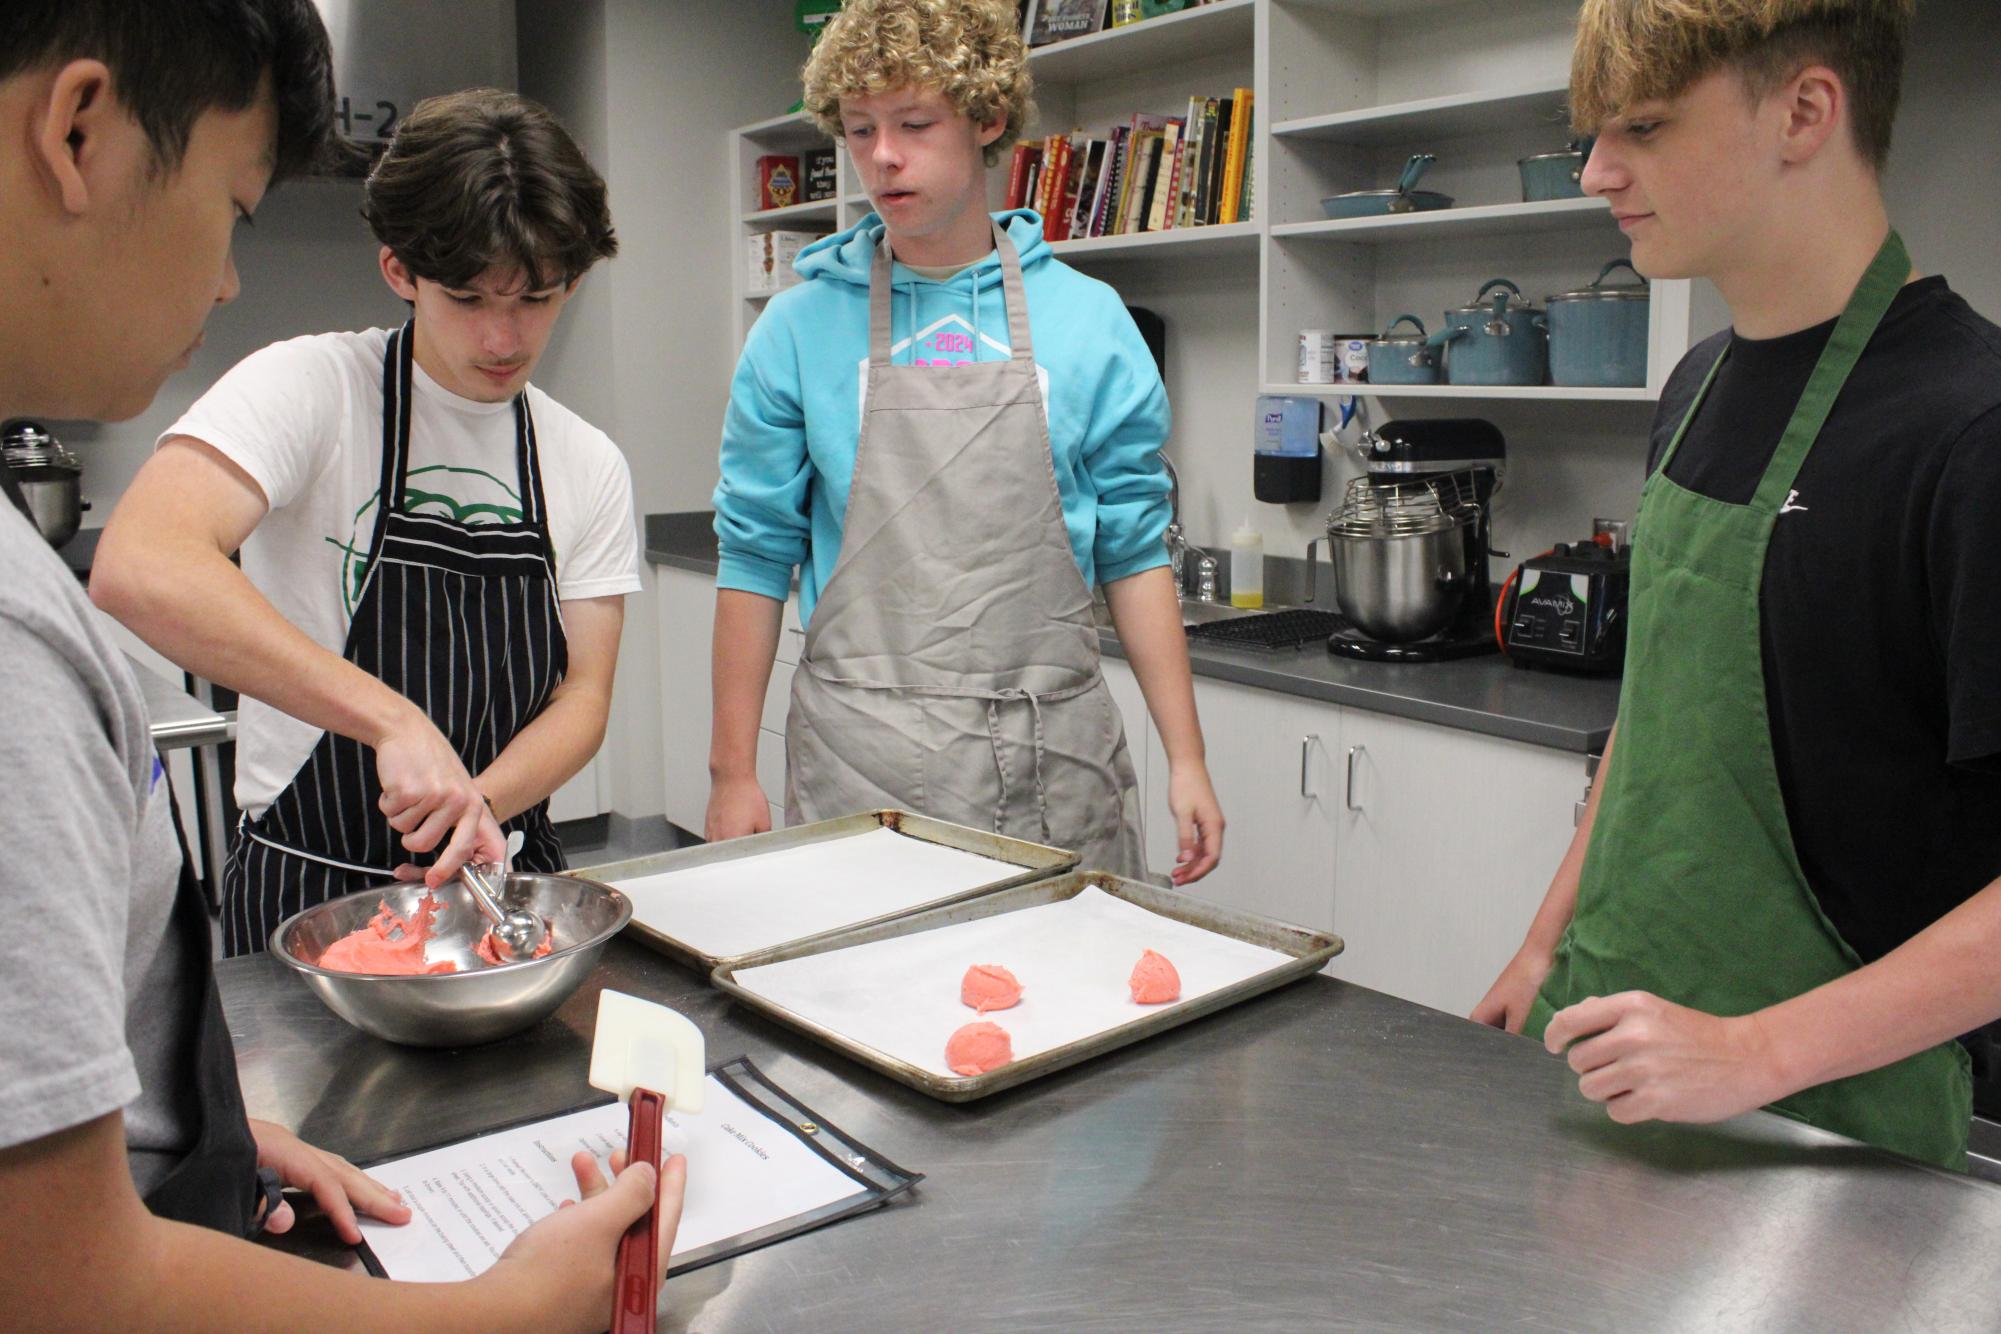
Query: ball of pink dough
x=988 y=986
x=1154 y=981
x=977 y=1048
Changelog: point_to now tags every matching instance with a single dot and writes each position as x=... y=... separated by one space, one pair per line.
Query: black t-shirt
x=1881 y=601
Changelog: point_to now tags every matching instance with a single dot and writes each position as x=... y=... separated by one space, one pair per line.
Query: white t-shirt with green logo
x=304 y=419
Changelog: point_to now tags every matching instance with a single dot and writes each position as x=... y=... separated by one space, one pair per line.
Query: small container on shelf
x=820 y=176
x=777 y=180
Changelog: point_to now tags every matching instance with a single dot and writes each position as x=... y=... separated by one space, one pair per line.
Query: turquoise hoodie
x=788 y=452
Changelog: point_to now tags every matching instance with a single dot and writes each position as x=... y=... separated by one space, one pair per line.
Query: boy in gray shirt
x=132 y=137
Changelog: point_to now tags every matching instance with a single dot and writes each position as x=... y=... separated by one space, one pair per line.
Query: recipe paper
x=469 y=1200
x=1072 y=958
x=733 y=907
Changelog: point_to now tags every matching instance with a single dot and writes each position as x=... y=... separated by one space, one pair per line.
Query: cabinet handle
x=1353 y=751
x=1305 y=756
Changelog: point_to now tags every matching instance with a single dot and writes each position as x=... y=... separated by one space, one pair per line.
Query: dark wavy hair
x=482 y=179
x=172 y=62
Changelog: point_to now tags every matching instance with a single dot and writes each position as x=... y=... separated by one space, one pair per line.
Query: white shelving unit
x=792 y=134
x=1345 y=90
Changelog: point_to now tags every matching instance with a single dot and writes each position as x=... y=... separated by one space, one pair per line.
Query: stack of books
x=1152 y=174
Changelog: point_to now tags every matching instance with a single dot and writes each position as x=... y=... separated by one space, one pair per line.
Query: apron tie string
x=1011 y=694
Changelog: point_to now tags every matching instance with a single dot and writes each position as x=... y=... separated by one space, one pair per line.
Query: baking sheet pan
x=777 y=879
x=857 y=976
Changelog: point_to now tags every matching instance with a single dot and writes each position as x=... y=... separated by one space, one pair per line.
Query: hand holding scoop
x=640 y=1049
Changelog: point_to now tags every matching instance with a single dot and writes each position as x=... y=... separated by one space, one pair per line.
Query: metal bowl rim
x=623 y=917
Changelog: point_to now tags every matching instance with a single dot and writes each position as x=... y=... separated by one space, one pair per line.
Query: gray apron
x=951 y=666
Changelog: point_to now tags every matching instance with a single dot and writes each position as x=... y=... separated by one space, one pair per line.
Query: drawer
x=777 y=698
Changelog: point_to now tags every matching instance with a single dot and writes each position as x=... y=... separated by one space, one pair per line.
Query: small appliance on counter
x=49 y=476
x=1566 y=609
x=1410 y=543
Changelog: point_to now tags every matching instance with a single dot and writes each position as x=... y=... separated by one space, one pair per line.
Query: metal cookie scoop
x=518 y=933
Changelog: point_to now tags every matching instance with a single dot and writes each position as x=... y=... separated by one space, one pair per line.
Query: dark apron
x=1691 y=888
x=216 y=1184
x=461 y=619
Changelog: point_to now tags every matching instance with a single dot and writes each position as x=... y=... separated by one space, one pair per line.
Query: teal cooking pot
x=1408 y=358
x=1497 y=341
x=1598 y=334
x=1403 y=197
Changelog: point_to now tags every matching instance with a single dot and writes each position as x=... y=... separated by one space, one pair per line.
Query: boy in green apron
x=1784 y=892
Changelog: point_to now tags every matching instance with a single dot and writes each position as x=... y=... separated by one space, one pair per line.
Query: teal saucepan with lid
x=1498 y=340
x=1598 y=333
x=1403 y=358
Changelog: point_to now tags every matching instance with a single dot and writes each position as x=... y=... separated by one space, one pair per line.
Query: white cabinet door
x=1447 y=842
x=687 y=626
x=1269 y=757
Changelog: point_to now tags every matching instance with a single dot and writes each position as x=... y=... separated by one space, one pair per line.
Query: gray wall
x=650 y=87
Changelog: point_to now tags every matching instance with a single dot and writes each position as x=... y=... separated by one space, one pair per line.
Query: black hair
x=481 y=179
x=172 y=61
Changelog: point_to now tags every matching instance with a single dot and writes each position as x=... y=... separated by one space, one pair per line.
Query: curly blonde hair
x=969 y=50
x=1633 y=51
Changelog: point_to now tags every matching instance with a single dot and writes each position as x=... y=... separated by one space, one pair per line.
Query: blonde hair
x=969 y=50
x=1633 y=51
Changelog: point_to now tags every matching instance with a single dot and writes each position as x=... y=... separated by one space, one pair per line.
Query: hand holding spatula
x=649 y=1056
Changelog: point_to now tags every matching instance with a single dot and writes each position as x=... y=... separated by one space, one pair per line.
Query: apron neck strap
x=398 y=381
x=1867 y=305
x=1022 y=347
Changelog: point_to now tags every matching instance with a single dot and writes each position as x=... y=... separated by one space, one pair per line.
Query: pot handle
x=1412 y=320
x=1419 y=163
x=1606 y=272
x=1444 y=336
x=1500 y=298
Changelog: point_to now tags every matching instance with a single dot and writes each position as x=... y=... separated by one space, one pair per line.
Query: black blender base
x=1443 y=648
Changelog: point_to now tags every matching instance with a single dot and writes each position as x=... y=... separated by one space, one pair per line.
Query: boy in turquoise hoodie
x=947 y=667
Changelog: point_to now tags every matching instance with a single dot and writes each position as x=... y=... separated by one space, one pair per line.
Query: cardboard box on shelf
x=770 y=256
x=777 y=180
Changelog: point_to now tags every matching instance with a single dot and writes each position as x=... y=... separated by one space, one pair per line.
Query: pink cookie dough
x=988 y=986
x=1154 y=981
x=977 y=1048
x=371 y=949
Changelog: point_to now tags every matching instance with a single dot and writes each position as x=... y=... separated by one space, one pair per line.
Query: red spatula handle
x=637 y=1284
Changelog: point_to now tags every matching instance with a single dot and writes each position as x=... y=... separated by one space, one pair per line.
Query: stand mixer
x=1410 y=543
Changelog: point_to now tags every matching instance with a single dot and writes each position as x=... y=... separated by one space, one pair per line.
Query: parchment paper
x=1072 y=958
x=736 y=907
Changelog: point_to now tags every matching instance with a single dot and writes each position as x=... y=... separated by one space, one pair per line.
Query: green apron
x=1691 y=888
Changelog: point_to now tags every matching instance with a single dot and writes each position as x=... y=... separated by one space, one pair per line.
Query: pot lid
x=1600 y=290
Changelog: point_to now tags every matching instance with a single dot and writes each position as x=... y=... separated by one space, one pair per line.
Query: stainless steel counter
x=179 y=719
x=1483 y=694
x=1323 y=1157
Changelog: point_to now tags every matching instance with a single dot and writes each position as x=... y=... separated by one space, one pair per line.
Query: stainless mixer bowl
x=1399 y=587
x=481 y=1002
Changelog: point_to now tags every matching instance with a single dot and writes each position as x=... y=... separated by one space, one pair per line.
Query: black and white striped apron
x=461 y=619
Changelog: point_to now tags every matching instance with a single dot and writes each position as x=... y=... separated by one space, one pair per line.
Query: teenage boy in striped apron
x=435 y=553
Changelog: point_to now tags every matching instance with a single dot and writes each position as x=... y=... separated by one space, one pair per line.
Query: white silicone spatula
x=640 y=1049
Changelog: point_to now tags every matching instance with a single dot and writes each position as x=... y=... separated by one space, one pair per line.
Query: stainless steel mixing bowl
x=481 y=1002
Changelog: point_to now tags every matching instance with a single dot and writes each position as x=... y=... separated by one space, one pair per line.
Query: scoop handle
x=636 y=1286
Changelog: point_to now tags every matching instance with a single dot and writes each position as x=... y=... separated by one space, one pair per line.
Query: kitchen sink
x=1200 y=613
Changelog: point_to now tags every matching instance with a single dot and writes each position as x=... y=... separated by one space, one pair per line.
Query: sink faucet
x=1179 y=548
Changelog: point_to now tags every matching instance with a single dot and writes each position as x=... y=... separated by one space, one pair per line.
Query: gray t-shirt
x=95 y=986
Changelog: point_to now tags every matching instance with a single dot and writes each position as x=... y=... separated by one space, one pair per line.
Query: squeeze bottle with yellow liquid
x=1247 y=567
